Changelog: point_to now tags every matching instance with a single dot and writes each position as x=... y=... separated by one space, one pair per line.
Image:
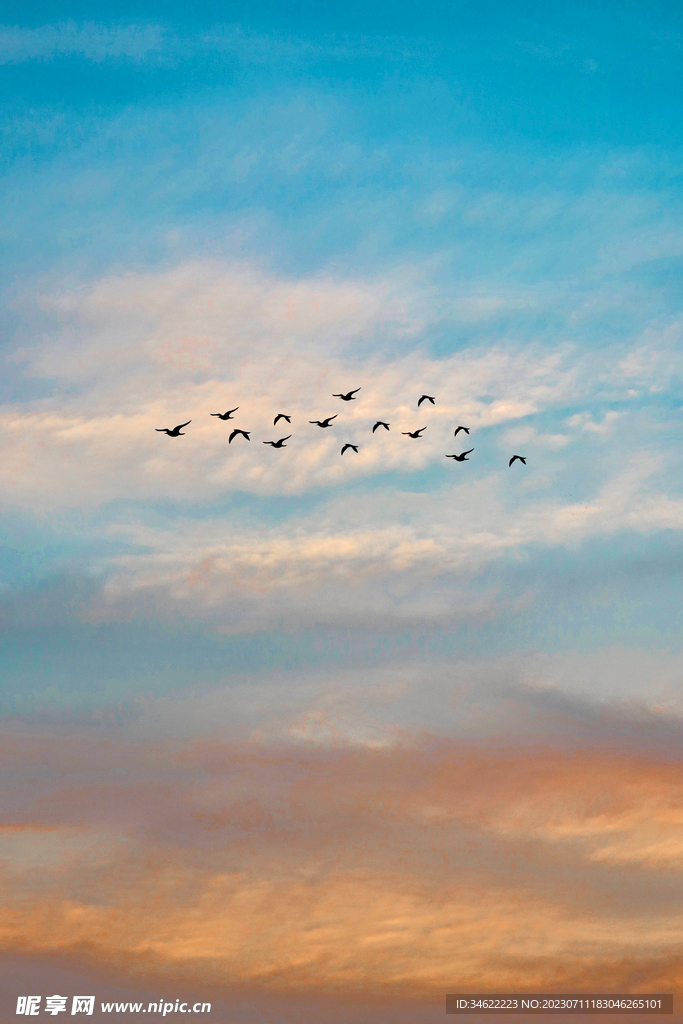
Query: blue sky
x=479 y=184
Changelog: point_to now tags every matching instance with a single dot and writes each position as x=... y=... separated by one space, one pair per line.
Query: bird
x=466 y=429
x=462 y=457
x=280 y=443
x=225 y=415
x=380 y=423
x=176 y=432
x=354 y=446
x=281 y=416
x=415 y=433
x=428 y=398
x=325 y=423
x=348 y=397
x=520 y=457
x=244 y=433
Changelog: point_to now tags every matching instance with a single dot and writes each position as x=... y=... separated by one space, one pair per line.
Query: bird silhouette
x=466 y=429
x=462 y=457
x=415 y=433
x=427 y=398
x=325 y=423
x=354 y=446
x=520 y=457
x=176 y=432
x=244 y=433
x=225 y=415
x=281 y=416
x=380 y=423
x=348 y=397
x=280 y=443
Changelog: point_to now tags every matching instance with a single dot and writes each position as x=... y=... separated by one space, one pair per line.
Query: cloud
x=89 y=40
x=399 y=871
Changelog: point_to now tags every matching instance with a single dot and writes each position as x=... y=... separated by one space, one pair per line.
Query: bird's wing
x=161 y=430
x=512 y=460
x=355 y=391
x=284 y=438
x=234 y=434
x=468 y=451
x=375 y=427
x=181 y=425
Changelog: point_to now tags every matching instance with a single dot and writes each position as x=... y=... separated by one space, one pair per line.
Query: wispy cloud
x=89 y=40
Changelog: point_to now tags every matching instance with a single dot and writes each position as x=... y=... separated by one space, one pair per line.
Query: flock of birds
x=350 y=396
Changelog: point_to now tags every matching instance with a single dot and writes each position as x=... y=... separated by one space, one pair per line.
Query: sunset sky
x=320 y=738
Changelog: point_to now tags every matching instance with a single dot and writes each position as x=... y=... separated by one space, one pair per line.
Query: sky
x=312 y=737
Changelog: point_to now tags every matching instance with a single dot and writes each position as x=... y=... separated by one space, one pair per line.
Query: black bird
x=428 y=398
x=380 y=423
x=325 y=423
x=348 y=397
x=354 y=446
x=520 y=457
x=225 y=415
x=466 y=429
x=280 y=443
x=280 y=416
x=415 y=433
x=244 y=433
x=462 y=457
x=176 y=432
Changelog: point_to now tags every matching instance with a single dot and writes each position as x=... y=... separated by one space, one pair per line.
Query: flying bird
x=520 y=457
x=462 y=457
x=176 y=432
x=427 y=398
x=354 y=446
x=280 y=416
x=280 y=443
x=348 y=397
x=466 y=429
x=415 y=433
x=225 y=415
x=380 y=423
x=244 y=433
x=325 y=423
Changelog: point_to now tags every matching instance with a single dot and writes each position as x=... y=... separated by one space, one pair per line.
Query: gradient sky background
x=322 y=739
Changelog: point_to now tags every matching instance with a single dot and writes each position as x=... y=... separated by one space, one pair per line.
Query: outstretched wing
x=181 y=425
x=161 y=430
x=233 y=435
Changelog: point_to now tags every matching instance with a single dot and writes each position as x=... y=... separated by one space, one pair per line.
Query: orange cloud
x=401 y=873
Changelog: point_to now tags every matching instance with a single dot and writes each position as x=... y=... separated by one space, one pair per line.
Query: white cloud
x=151 y=351
x=94 y=42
